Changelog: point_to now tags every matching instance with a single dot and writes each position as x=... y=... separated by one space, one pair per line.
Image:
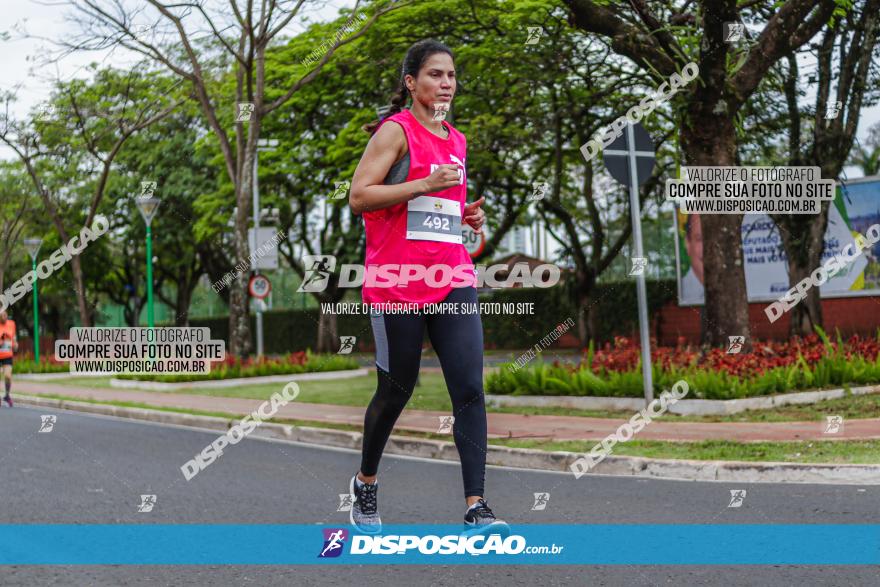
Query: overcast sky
x=44 y=19
x=32 y=84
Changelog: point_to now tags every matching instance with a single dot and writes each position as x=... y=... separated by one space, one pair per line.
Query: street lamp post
x=33 y=248
x=148 y=207
x=262 y=145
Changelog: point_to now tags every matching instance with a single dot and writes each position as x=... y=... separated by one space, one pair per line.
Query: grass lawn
x=840 y=451
x=431 y=394
x=826 y=451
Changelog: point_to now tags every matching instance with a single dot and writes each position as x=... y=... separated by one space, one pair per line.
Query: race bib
x=433 y=219
x=5 y=346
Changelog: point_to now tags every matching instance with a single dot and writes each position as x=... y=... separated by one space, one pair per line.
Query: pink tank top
x=422 y=233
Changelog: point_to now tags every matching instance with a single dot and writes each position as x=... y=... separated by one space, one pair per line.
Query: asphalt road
x=93 y=469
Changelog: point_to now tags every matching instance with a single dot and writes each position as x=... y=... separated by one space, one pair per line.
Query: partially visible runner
x=418 y=154
x=8 y=346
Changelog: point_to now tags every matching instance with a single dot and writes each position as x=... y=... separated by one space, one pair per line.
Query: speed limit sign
x=474 y=242
x=259 y=286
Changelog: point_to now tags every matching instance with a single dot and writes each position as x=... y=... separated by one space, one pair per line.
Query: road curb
x=683 y=407
x=560 y=461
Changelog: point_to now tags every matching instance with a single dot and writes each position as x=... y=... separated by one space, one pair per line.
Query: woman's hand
x=444 y=177
x=474 y=215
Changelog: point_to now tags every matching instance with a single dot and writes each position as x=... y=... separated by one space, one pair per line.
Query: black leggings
x=457 y=339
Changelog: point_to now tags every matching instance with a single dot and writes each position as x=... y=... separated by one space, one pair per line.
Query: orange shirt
x=7 y=336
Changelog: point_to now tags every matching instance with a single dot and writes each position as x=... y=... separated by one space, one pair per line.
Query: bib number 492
x=436 y=222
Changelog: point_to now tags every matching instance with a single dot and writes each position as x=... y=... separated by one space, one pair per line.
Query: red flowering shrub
x=814 y=362
x=624 y=355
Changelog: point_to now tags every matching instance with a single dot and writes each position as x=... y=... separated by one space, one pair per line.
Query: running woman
x=8 y=345
x=410 y=186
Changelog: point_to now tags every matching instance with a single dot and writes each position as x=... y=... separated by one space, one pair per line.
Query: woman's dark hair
x=413 y=61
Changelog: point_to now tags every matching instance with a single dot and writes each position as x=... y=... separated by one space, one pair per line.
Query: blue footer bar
x=603 y=544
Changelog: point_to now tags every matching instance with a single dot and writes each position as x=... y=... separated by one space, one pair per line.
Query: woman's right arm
x=368 y=192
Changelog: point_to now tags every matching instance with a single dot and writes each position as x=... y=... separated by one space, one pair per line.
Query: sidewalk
x=500 y=425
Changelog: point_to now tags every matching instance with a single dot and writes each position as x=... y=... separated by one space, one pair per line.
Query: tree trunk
x=132 y=312
x=239 y=321
x=806 y=315
x=580 y=290
x=727 y=309
x=239 y=317
x=328 y=339
x=710 y=140
x=583 y=321
x=79 y=286
x=804 y=240
x=181 y=308
x=593 y=321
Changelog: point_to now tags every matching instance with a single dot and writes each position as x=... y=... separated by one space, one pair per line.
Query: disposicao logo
x=334 y=541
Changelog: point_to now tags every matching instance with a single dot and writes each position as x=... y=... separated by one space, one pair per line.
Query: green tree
x=660 y=39
x=69 y=147
x=867 y=157
x=222 y=55
x=17 y=208
x=524 y=109
x=169 y=154
x=823 y=136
